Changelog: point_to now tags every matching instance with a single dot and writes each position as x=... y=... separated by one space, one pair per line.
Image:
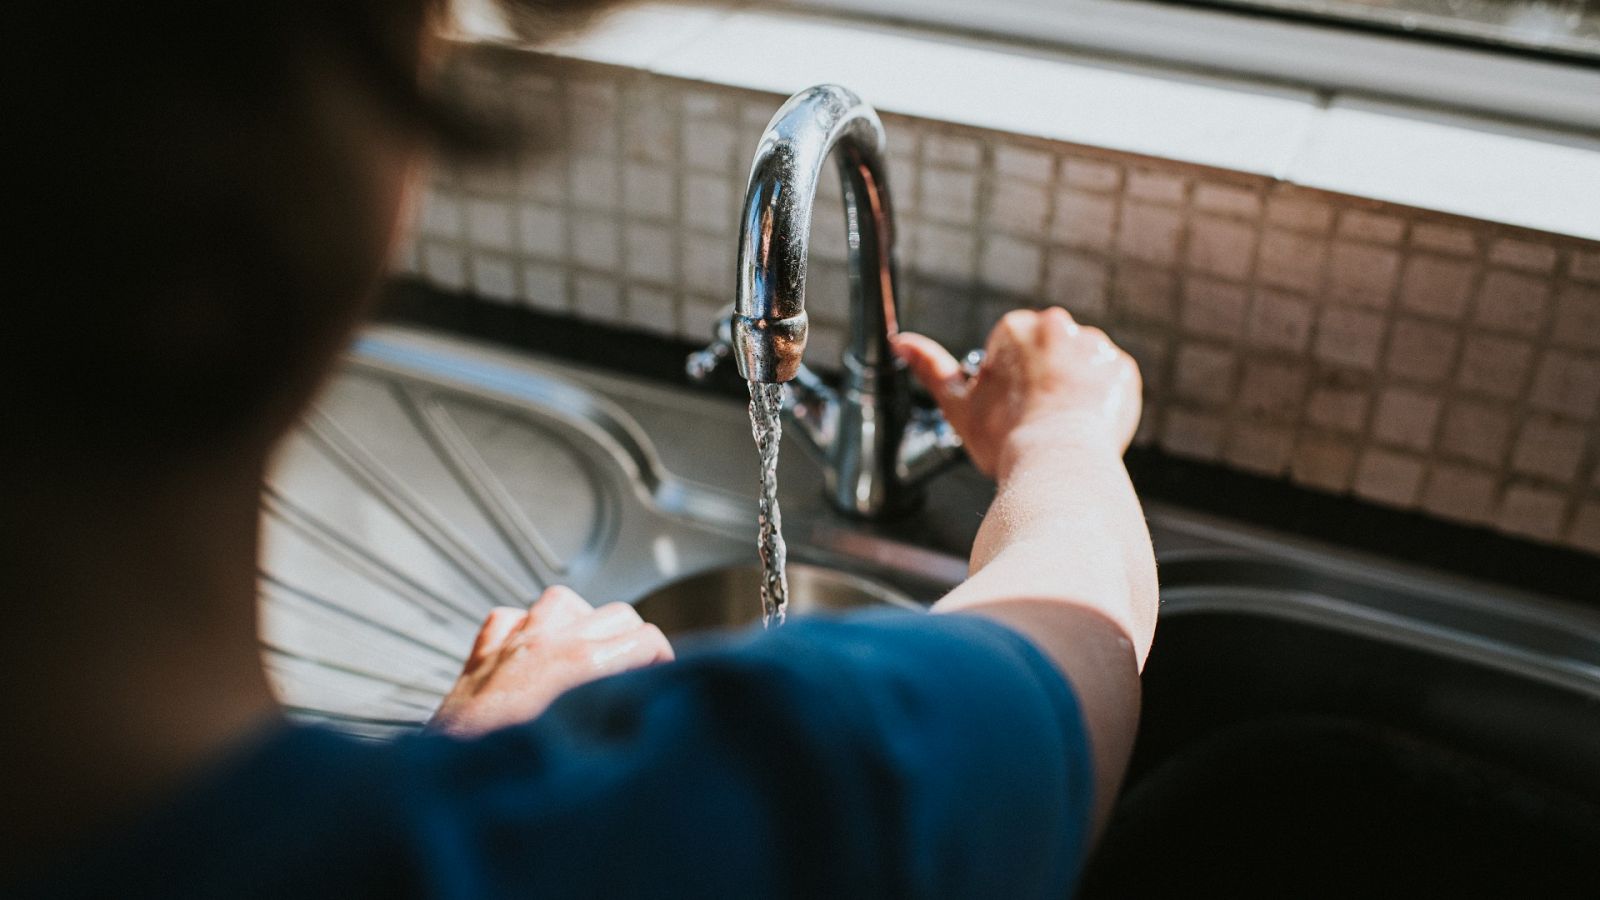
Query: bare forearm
x=1065 y=526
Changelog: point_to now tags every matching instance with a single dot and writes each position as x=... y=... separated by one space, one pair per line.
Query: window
x=1536 y=61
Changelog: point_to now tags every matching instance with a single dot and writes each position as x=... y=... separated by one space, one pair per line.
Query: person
x=208 y=196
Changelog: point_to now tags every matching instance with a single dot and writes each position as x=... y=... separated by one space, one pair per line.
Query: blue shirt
x=890 y=755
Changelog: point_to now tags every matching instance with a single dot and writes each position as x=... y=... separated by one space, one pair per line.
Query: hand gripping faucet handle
x=701 y=363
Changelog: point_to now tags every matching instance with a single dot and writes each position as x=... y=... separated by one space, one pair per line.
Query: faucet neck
x=769 y=320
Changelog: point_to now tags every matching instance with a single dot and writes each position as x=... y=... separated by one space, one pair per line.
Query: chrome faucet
x=876 y=446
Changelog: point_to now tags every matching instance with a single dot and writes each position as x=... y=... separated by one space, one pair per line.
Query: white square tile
x=1091 y=174
x=650 y=253
x=828 y=291
x=1578 y=317
x=1326 y=464
x=544 y=286
x=1272 y=391
x=946 y=252
x=902 y=186
x=1460 y=493
x=1362 y=274
x=1078 y=282
x=825 y=345
x=1532 y=512
x=1085 y=220
x=710 y=146
x=1584 y=533
x=1338 y=408
x=1150 y=348
x=952 y=150
x=1213 y=308
x=1389 y=478
x=1023 y=163
x=1192 y=435
x=1150 y=233
x=1144 y=293
x=1221 y=247
x=1585 y=266
x=444 y=265
x=1476 y=431
x=830 y=234
x=1227 y=199
x=1012 y=265
x=598 y=298
x=1436 y=286
x=596 y=241
x=1349 y=337
x=649 y=191
x=651 y=309
x=441 y=215
x=1548 y=448
x=1260 y=448
x=708 y=102
x=543 y=231
x=649 y=127
x=1280 y=321
x=708 y=204
x=1299 y=212
x=1567 y=383
x=1494 y=366
x=544 y=180
x=494 y=277
x=1450 y=239
x=1421 y=351
x=1157 y=186
x=1290 y=260
x=1526 y=255
x=1377 y=228
x=697 y=316
x=1511 y=301
x=1018 y=207
x=1406 y=418
x=489 y=223
x=1205 y=373
x=708 y=266
x=949 y=195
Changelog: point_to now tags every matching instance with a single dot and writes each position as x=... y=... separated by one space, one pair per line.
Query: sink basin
x=728 y=598
x=1311 y=735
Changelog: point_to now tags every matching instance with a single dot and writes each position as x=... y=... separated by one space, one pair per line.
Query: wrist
x=1060 y=437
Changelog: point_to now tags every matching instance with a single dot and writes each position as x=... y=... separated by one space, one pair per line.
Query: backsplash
x=1414 y=360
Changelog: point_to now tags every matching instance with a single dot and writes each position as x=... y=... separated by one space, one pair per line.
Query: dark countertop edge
x=1252 y=499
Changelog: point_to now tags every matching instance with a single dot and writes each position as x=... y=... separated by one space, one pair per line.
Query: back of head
x=206 y=195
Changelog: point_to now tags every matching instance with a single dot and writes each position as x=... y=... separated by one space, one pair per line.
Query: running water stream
x=766 y=423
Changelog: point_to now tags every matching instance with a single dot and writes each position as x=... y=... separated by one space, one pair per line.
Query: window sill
x=1480 y=168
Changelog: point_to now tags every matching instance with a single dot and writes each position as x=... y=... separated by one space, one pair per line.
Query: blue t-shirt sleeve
x=881 y=755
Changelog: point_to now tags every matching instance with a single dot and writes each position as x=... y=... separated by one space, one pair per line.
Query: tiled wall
x=1414 y=360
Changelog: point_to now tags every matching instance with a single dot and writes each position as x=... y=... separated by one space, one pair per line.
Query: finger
x=497 y=626
x=1103 y=350
x=557 y=607
x=643 y=646
x=609 y=621
x=932 y=365
x=1056 y=324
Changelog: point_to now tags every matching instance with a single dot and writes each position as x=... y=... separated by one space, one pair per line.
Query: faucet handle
x=927 y=447
x=701 y=363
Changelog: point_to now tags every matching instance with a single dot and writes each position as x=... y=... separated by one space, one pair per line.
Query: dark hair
x=200 y=190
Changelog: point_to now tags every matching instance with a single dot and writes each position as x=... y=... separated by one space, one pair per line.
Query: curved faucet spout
x=769 y=318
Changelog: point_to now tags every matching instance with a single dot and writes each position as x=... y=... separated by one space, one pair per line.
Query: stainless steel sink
x=439 y=478
x=719 y=600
